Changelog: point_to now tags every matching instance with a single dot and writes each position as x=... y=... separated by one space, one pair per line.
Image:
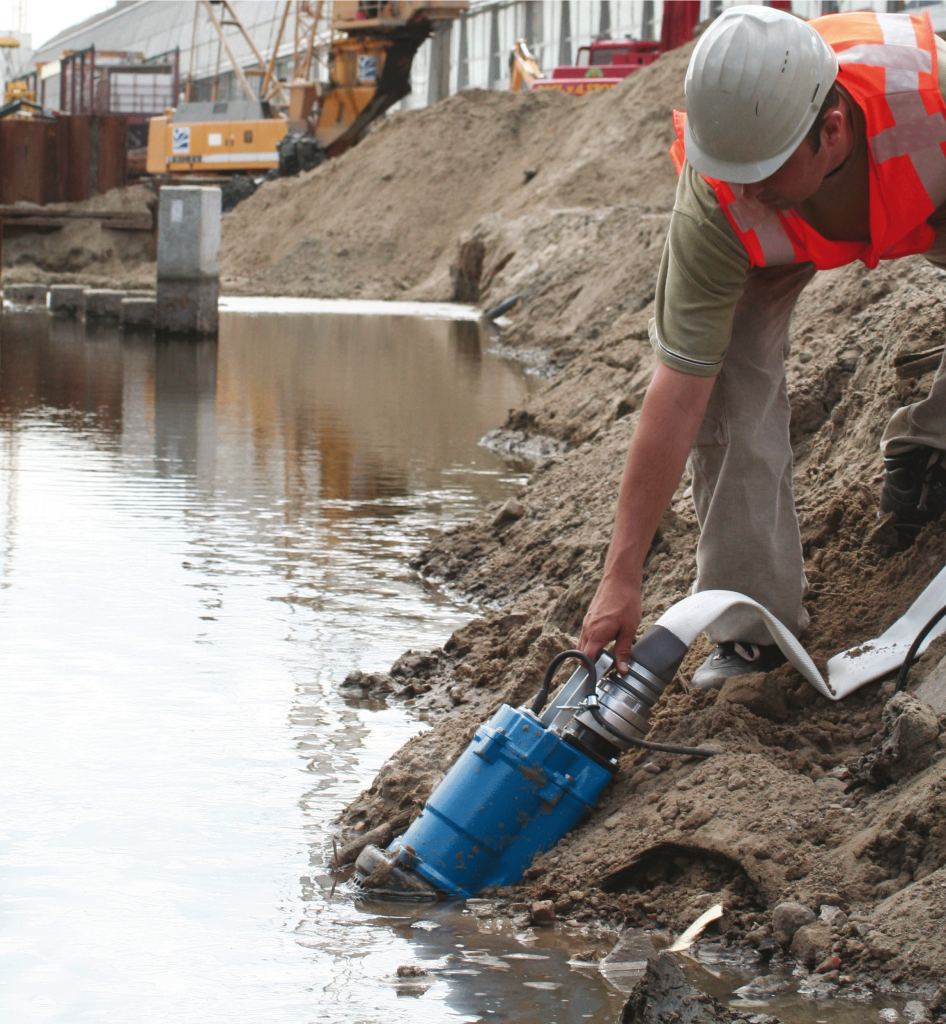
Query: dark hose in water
x=502 y=307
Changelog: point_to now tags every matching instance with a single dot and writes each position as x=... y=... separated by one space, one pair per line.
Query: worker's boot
x=735 y=658
x=914 y=490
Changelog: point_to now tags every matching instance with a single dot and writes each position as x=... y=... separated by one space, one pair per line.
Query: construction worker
x=806 y=146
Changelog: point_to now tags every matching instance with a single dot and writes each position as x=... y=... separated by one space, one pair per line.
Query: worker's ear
x=832 y=128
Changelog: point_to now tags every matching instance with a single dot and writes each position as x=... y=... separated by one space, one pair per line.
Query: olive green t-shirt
x=703 y=270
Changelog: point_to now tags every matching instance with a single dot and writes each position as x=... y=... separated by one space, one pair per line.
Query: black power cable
x=914 y=647
x=675 y=748
x=668 y=748
x=543 y=695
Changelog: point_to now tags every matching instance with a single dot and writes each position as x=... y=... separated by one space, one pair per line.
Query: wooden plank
x=132 y=223
x=36 y=222
x=16 y=212
x=910 y=365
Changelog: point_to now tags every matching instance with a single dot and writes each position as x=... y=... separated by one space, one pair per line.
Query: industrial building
x=473 y=53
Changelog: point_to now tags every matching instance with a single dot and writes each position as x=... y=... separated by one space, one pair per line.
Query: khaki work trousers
x=742 y=461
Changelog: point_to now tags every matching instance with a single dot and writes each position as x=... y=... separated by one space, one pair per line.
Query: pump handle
x=543 y=695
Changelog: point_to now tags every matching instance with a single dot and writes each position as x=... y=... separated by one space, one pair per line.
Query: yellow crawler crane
x=17 y=96
x=214 y=138
x=220 y=136
x=372 y=50
x=523 y=67
x=369 y=50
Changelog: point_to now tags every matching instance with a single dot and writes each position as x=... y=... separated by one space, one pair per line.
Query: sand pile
x=783 y=814
x=86 y=251
x=534 y=177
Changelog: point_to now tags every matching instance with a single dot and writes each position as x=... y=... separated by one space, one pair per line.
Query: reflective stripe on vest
x=888 y=65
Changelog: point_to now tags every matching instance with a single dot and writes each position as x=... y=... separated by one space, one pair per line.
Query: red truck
x=605 y=63
x=602 y=65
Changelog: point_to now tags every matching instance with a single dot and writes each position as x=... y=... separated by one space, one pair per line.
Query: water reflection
x=181 y=389
x=352 y=408
x=52 y=366
x=199 y=541
x=499 y=972
x=382 y=408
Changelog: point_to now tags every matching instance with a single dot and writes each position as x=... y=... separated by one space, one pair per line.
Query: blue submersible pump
x=531 y=774
x=528 y=777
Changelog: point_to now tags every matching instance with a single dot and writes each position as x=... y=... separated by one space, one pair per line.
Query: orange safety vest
x=888 y=65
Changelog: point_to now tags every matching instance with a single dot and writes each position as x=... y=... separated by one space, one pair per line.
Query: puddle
x=198 y=541
x=515 y=974
x=722 y=972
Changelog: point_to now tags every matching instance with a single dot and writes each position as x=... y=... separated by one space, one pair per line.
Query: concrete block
x=68 y=299
x=103 y=303
x=26 y=294
x=138 y=311
x=187 y=307
x=188 y=232
x=188 y=250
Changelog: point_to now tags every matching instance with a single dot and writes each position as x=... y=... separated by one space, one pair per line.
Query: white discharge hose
x=691 y=616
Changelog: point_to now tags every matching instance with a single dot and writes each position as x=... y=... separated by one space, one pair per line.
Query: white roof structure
x=157 y=26
x=480 y=46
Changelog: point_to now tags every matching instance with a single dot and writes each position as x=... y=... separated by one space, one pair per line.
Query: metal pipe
x=237 y=70
x=190 y=67
x=270 y=70
x=252 y=46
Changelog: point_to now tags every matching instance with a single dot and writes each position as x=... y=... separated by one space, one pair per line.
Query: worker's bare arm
x=671 y=415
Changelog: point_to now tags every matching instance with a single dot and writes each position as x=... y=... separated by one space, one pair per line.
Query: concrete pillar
x=103 y=304
x=188 y=251
x=438 y=77
x=565 y=34
x=25 y=294
x=495 y=58
x=604 y=20
x=463 y=59
x=533 y=24
x=138 y=311
x=647 y=20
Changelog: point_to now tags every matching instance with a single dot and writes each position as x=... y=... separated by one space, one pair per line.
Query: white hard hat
x=755 y=84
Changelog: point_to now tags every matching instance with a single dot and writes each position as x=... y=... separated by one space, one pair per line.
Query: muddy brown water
x=198 y=541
